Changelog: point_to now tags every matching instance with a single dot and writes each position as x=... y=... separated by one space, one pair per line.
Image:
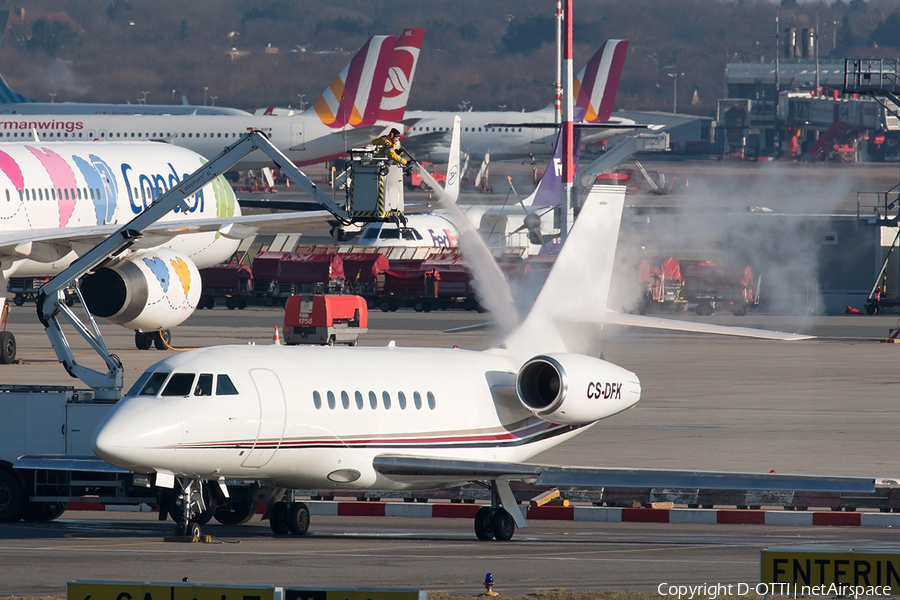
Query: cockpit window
x=388 y=233
x=204 y=385
x=371 y=233
x=179 y=385
x=224 y=387
x=410 y=234
x=154 y=384
x=139 y=384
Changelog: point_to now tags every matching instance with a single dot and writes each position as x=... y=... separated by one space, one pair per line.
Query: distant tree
x=846 y=39
x=789 y=4
x=345 y=26
x=469 y=31
x=115 y=8
x=859 y=6
x=184 y=31
x=839 y=5
x=524 y=36
x=51 y=37
x=887 y=33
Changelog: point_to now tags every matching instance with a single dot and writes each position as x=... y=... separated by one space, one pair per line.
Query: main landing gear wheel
x=484 y=519
x=278 y=519
x=298 y=518
x=503 y=524
x=7 y=348
x=162 y=339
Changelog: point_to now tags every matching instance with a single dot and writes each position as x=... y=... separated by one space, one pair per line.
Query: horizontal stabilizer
x=414 y=468
x=616 y=318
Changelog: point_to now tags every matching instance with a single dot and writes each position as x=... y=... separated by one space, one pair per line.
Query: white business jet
x=405 y=418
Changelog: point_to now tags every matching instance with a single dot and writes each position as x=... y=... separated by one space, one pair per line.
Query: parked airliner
x=393 y=418
x=514 y=135
x=13 y=103
x=369 y=94
x=58 y=199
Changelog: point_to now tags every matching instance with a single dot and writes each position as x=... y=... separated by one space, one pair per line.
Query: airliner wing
x=403 y=468
x=616 y=318
x=87 y=237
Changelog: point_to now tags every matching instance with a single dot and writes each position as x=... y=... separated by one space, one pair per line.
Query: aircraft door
x=298 y=140
x=271 y=418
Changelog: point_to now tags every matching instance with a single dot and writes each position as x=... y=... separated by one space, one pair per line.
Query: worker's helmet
x=394 y=132
x=489 y=578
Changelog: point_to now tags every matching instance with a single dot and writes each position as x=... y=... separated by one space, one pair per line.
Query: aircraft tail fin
x=596 y=84
x=571 y=294
x=8 y=96
x=401 y=72
x=354 y=97
x=549 y=189
x=453 y=173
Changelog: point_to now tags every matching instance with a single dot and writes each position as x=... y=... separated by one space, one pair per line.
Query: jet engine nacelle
x=574 y=389
x=148 y=291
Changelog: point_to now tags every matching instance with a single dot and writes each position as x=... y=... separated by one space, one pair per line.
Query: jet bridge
x=51 y=299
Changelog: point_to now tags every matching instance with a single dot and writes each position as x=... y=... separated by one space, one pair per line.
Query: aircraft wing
x=82 y=239
x=403 y=468
x=616 y=318
x=425 y=143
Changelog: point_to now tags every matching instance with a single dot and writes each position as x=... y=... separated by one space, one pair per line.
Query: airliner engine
x=573 y=389
x=148 y=291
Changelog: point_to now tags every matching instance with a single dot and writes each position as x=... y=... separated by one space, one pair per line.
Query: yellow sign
x=142 y=590
x=844 y=573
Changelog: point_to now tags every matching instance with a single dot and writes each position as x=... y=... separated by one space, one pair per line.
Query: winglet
x=596 y=84
x=453 y=174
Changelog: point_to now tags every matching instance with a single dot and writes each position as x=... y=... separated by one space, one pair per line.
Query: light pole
x=302 y=102
x=502 y=107
x=675 y=77
x=204 y=95
x=144 y=100
x=212 y=100
x=52 y=96
x=173 y=96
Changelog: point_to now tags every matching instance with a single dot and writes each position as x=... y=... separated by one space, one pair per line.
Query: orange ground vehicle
x=415 y=181
x=324 y=319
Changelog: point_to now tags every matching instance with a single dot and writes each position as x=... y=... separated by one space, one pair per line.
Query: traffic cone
x=276 y=338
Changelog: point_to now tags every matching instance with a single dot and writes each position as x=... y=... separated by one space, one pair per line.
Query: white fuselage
x=315 y=417
x=431 y=231
x=90 y=108
x=77 y=187
x=502 y=143
x=303 y=138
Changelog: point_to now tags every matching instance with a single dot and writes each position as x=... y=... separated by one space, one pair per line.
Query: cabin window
x=359 y=400
x=92 y=193
x=331 y=402
x=78 y=193
x=373 y=400
x=401 y=400
x=139 y=135
x=40 y=194
x=317 y=400
x=431 y=402
x=345 y=400
x=386 y=398
x=139 y=384
x=224 y=387
x=417 y=400
x=53 y=193
x=180 y=384
x=66 y=192
x=204 y=385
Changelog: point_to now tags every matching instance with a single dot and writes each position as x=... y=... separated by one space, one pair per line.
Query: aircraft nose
x=138 y=432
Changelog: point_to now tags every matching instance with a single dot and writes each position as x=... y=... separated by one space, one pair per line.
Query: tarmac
x=823 y=406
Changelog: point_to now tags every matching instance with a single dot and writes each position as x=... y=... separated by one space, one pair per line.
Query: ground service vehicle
x=324 y=319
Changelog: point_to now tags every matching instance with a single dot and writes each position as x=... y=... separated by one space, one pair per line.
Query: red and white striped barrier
x=580 y=513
